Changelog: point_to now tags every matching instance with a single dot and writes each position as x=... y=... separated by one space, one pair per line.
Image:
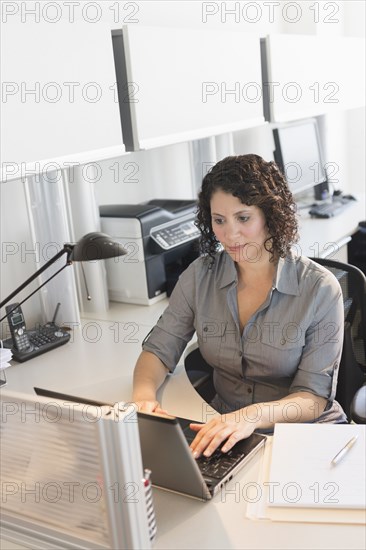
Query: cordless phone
x=17 y=327
x=26 y=344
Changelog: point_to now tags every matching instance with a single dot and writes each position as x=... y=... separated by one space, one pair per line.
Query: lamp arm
x=67 y=249
x=34 y=291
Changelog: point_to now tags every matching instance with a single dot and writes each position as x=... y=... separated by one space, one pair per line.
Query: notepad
x=301 y=473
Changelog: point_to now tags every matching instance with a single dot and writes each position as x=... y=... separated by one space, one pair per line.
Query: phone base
x=42 y=339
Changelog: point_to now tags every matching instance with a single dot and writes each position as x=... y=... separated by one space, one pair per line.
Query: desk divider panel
x=71 y=474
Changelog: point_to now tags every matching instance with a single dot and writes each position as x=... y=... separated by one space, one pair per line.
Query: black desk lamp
x=93 y=246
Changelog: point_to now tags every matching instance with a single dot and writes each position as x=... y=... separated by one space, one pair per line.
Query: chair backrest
x=199 y=372
x=353 y=363
x=358 y=406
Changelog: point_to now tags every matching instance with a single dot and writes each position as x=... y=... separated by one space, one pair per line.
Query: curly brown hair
x=254 y=182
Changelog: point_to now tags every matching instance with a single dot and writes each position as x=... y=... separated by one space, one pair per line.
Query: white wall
x=166 y=172
x=354 y=136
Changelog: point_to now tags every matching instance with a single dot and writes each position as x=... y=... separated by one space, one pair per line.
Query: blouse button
x=249 y=390
x=240 y=354
x=283 y=342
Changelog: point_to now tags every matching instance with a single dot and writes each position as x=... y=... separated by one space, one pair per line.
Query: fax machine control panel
x=171 y=234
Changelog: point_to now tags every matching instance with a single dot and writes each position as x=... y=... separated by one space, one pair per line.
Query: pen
x=338 y=457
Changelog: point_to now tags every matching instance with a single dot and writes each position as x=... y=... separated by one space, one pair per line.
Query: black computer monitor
x=298 y=155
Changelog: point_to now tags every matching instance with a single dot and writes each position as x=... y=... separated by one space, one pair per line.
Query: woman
x=270 y=323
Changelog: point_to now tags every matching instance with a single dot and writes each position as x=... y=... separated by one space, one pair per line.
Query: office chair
x=199 y=372
x=351 y=393
x=352 y=368
x=358 y=406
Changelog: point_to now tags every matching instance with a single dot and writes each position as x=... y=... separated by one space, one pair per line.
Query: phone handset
x=18 y=328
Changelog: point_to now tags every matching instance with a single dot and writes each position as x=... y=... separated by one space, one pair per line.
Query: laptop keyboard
x=219 y=464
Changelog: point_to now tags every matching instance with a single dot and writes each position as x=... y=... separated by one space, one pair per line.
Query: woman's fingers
x=209 y=436
x=219 y=430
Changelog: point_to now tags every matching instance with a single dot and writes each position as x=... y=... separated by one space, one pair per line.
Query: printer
x=161 y=240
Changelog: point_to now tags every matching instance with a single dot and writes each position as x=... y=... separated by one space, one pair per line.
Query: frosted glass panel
x=64 y=469
x=50 y=231
x=51 y=479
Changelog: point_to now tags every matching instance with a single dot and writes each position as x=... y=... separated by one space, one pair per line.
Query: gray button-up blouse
x=292 y=343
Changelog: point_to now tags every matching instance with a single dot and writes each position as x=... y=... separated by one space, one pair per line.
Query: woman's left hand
x=230 y=428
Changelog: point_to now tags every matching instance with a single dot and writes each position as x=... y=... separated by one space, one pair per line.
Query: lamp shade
x=96 y=246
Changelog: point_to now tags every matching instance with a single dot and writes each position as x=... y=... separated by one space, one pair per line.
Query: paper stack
x=299 y=482
x=5 y=358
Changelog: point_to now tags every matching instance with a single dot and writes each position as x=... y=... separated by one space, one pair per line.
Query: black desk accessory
x=26 y=344
x=330 y=209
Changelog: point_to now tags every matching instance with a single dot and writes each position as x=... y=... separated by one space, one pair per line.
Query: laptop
x=165 y=451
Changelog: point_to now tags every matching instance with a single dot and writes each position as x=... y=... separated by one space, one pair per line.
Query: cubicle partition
x=71 y=475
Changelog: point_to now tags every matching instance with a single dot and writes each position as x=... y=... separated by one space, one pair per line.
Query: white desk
x=322 y=238
x=98 y=363
x=103 y=370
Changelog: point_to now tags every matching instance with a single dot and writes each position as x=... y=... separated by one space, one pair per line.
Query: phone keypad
x=22 y=341
x=45 y=336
